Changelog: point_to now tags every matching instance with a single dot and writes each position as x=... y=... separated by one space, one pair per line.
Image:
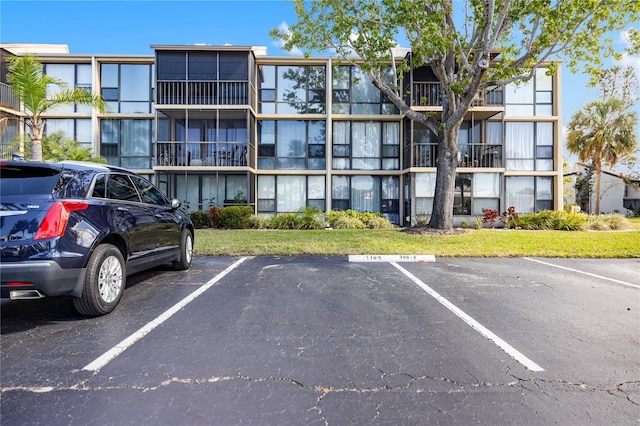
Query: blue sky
x=131 y=27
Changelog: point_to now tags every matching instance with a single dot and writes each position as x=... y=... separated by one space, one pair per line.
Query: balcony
x=475 y=155
x=8 y=98
x=202 y=93
x=430 y=94
x=201 y=154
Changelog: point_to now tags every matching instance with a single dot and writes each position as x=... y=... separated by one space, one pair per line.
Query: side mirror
x=175 y=204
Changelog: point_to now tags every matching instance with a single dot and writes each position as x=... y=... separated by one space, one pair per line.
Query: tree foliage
x=459 y=41
x=57 y=147
x=32 y=88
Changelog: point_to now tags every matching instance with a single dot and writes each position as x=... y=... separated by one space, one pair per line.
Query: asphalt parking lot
x=326 y=340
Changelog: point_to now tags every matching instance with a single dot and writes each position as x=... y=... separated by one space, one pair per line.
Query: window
x=472 y=193
x=462 y=194
x=287 y=194
x=75 y=129
x=148 y=193
x=486 y=192
x=367 y=194
x=127 y=88
x=532 y=98
x=74 y=76
x=292 y=145
x=366 y=145
x=204 y=191
x=529 y=194
x=127 y=143
x=292 y=89
x=529 y=146
x=354 y=93
x=121 y=188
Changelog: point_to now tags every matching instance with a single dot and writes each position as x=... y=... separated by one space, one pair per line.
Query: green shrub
x=235 y=217
x=607 y=222
x=348 y=222
x=258 y=222
x=200 y=219
x=284 y=221
x=300 y=220
x=379 y=222
x=350 y=216
x=309 y=218
x=558 y=220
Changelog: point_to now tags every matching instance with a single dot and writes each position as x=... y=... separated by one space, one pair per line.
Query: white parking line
x=584 y=273
x=392 y=258
x=112 y=353
x=510 y=350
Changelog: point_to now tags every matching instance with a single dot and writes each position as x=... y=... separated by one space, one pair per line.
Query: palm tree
x=603 y=132
x=30 y=84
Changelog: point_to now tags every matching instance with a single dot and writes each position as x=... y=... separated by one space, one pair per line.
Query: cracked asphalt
x=323 y=341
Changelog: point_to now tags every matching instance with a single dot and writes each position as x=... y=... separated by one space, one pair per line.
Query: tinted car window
x=149 y=193
x=120 y=187
x=100 y=187
x=17 y=180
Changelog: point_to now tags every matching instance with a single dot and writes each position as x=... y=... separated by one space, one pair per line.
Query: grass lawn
x=472 y=243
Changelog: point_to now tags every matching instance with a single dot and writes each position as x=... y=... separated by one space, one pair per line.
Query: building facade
x=221 y=125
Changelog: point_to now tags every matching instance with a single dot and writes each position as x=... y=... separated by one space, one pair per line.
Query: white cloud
x=283 y=27
x=628 y=60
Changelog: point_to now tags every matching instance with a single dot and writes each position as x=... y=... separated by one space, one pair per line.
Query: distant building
x=216 y=125
x=619 y=193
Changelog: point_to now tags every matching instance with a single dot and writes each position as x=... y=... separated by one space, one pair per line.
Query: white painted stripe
x=112 y=353
x=392 y=258
x=584 y=273
x=510 y=350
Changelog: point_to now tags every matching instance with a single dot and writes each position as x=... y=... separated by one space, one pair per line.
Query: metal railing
x=471 y=155
x=8 y=97
x=430 y=94
x=202 y=93
x=199 y=154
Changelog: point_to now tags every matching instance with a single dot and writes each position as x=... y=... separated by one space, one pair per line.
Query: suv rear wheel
x=104 y=282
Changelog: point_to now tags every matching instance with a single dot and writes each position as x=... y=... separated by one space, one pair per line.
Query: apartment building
x=221 y=125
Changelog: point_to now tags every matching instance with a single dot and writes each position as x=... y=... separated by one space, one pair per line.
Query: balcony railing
x=199 y=154
x=202 y=93
x=430 y=94
x=8 y=97
x=471 y=155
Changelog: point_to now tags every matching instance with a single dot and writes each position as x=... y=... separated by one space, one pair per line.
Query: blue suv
x=78 y=229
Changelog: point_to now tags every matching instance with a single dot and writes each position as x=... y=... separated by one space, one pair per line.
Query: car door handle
x=122 y=209
x=159 y=216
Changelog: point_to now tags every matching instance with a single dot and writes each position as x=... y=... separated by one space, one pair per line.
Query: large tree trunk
x=447 y=163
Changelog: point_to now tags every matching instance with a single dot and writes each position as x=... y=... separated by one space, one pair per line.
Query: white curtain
x=365 y=193
x=519 y=146
x=520 y=193
x=365 y=146
x=291 y=139
x=292 y=193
